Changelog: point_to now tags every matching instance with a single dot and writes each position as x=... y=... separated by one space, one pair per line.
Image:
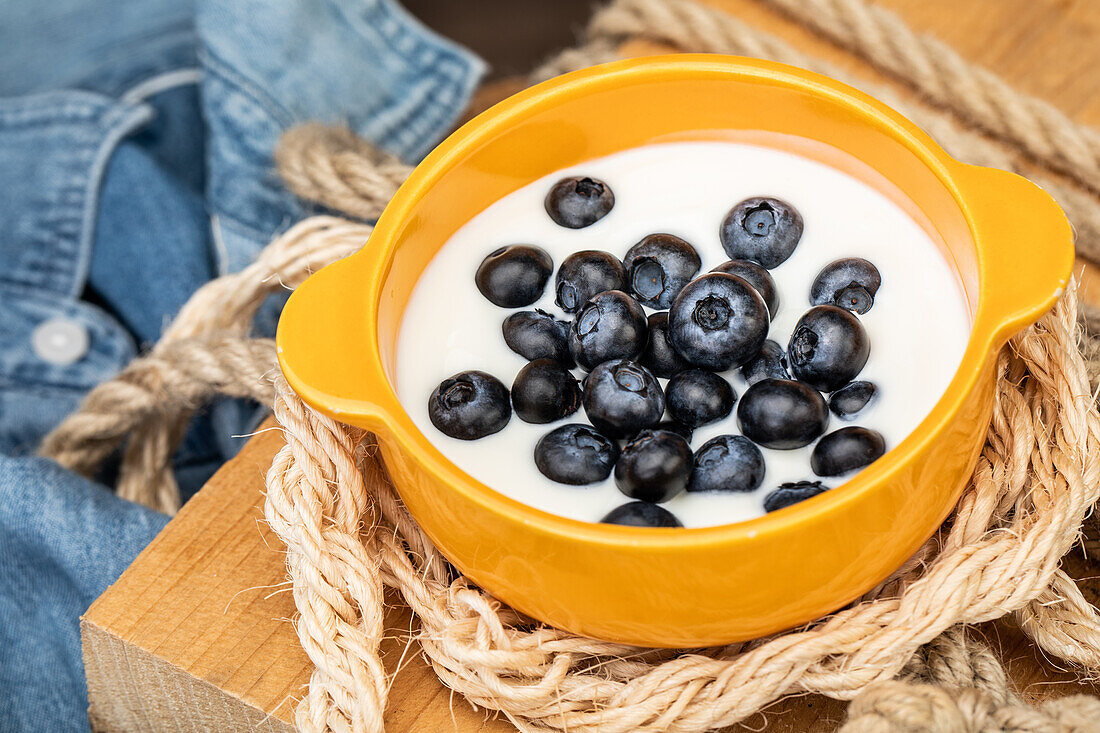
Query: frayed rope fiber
x=902 y=654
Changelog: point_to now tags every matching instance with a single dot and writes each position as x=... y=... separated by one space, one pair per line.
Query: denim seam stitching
x=61 y=234
x=436 y=112
x=160 y=83
x=454 y=76
x=120 y=122
x=218 y=67
x=403 y=29
x=33 y=116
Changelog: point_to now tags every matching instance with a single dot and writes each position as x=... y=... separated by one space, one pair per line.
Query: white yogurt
x=918 y=327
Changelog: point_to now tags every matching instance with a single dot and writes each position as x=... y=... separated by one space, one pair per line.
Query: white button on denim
x=60 y=341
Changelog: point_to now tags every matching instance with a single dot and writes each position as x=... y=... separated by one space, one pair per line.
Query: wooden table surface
x=205 y=607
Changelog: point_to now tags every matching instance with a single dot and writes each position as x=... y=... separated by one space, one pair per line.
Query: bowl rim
x=386 y=411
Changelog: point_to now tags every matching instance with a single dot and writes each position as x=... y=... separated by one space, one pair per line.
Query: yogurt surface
x=918 y=327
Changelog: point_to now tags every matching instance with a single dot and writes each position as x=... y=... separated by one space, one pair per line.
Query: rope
x=317 y=503
x=903 y=707
x=337 y=169
x=901 y=653
x=1031 y=488
x=956 y=683
x=170 y=382
x=687 y=25
x=202 y=354
x=938 y=72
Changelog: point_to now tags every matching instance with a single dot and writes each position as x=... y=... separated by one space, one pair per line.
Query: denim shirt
x=136 y=144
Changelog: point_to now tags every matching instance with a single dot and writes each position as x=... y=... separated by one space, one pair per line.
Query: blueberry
x=538 y=335
x=718 y=321
x=610 y=326
x=696 y=397
x=727 y=463
x=764 y=230
x=847 y=401
x=770 y=363
x=828 y=348
x=675 y=427
x=850 y=283
x=641 y=514
x=469 y=405
x=792 y=493
x=514 y=276
x=659 y=357
x=782 y=414
x=658 y=267
x=846 y=450
x=622 y=397
x=545 y=391
x=756 y=276
x=585 y=274
x=579 y=201
x=576 y=454
x=655 y=466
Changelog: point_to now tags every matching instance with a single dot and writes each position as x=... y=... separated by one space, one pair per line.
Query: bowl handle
x=326 y=341
x=1025 y=249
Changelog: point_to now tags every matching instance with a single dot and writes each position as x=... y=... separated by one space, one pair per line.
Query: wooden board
x=196 y=635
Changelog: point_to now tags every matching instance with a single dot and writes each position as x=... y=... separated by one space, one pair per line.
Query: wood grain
x=196 y=634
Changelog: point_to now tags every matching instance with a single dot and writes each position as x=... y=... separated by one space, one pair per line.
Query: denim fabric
x=366 y=63
x=63 y=540
x=54 y=148
x=104 y=47
x=136 y=143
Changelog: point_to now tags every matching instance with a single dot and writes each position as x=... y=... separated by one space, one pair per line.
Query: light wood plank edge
x=121 y=677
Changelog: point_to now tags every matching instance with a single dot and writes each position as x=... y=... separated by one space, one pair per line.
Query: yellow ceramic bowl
x=1009 y=242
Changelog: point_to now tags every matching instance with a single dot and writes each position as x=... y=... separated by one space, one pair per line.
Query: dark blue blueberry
x=764 y=230
x=792 y=493
x=847 y=401
x=576 y=455
x=579 y=201
x=585 y=274
x=622 y=398
x=718 y=321
x=610 y=326
x=850 y=283
x=756 y=276
x=770 y=363
x=641 y=514
x=659 y=357
x=847 y=449
x=545 y=391
x=655 y=466
x=727 y=463
x=782 y=414
x=538 y=335
x=470 y=405
x=658 y=268
x=674 y=427
x=696 y=397
x=828 y=348
x=514 y=276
